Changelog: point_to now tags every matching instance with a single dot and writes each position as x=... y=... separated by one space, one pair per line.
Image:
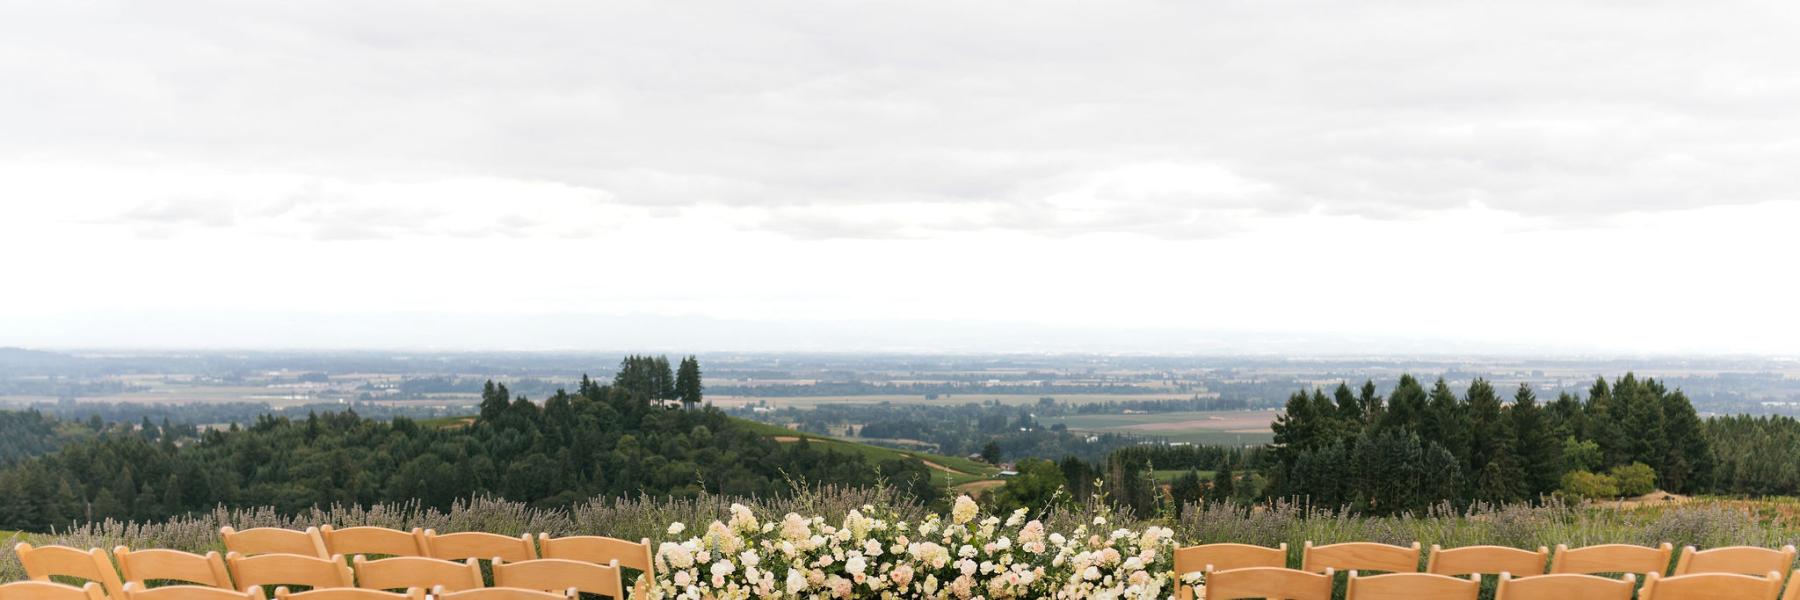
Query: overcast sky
x=1331 y=177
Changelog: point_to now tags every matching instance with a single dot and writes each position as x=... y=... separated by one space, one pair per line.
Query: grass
x=970 y=470
x=1228 y=428
x=1170 y=475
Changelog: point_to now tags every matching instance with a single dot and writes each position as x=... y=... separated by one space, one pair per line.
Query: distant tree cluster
x=1418 y=447
x=600 y=440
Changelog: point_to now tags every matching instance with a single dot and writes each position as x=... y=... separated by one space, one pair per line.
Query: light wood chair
x=1711 y=586
x=1412 y=586
x=289 y=569
x=48 y=590
x=135 y=590
x=203 y=570
x=498 y=593
x=1487 y=560
x=1223 y=557
x=602 y=550
x=1566 y=586
x=274 y=540
x=1611 y=558
x=1793 y=586
x=1745 y=560
x=1268 y=582
x=380 y=541
x=478 y=545
x=349 y=593
x=91 y=564
x=417 y=572
x=1360 y=556
x=557 y=574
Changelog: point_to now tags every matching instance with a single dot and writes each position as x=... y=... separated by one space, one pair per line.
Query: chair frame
x=135 y=590
x=1361 y=556
x=289 y=569
x=1272 y=582
x=405 y=572
x=1470 y=587
x=502 y=593
x=1782 y=558
x=1566 y=586
x=1595 y=559
x=162 y=558
x=50 y=590
x=368 y=539
x=1487 y=560
x=1223 y=556
x=1715 y=585
x=479 y=545
x=510 y=575
x=274 y=540
x=42 y=562
x=349 y=593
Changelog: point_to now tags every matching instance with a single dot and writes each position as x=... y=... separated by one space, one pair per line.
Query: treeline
x=1755 y=455
x=1418 y=447
x=614 y=440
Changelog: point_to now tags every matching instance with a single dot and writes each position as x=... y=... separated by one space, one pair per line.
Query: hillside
x=946 y=470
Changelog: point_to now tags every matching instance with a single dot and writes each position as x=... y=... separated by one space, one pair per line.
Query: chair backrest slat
x=1744 y=560
x=373 y=540
x=1487 y=560
x=289 y=569
x=417 y=571
x=556 y=574
x=1268 y=582
x=1711 y=586
x=1360 y=556
x=478 y=545
x=92 y=564
x=600 y=550
x=47 y=590
x=1412 y=586
x=349 y=593
x=135 y=590
x=1565 y=586
x=274 y=540
x=205 y=570
x=1611 y=558
x=500 y=593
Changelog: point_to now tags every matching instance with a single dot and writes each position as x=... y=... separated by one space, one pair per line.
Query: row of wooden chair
x=326 y=541
x=44 y=590
x=1486 y=560
x=1296 y=584
x=236 y=571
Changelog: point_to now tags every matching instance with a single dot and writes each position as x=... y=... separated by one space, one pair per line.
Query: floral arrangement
x=870 y=555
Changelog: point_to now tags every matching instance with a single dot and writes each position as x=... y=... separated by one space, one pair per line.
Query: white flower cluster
x=867 y=556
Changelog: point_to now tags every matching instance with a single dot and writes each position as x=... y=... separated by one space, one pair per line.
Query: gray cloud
x=826 y=120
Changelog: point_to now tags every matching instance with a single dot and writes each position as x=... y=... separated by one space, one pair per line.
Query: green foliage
x=1589 y=486
x=1038 y=486
x=1635 y=479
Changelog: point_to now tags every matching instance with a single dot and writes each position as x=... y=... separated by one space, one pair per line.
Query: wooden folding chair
x=1611 y=558
x=289 y=569
x=135 y=590
x=203 y=570
x=1223 y=557
x=497 y=593
x=1744 y=560
x=1412 y=586
x=417 y=572
x=602 y=550
x=1711 y=586
x=1793 y=586
x=274 y=540
x=49 y=590
x=91 y=564
x=349 y=593
x=1565 y=586
x=373 y=540
x=1486 y=560
x=1268 y=582
x=1360 y=556
x=478 y=545
x=556 y=574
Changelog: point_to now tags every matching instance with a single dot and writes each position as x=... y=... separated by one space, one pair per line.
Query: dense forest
x=643 y=433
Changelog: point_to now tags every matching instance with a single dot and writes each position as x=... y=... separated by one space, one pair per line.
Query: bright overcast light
x=1310 y=178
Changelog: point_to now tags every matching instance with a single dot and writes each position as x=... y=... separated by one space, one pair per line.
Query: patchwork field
x=804 y=402
x=1196 y=427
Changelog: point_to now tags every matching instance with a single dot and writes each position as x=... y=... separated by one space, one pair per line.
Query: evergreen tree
x=1223 y=486
x=1533 y=444
x=1405 y=406
x=1446 y=423
x=494 y=400
x=687 y=382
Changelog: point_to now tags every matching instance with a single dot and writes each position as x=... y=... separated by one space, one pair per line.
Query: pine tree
x=1223 y=488
x=494 y=401
x=1405 y=406
x=1446 y=423
x=1534 y=444
x=687 y=382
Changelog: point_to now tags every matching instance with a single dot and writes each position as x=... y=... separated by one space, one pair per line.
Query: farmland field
x=1194 y=427
x=942 y=400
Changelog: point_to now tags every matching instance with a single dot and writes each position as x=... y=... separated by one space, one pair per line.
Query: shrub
x=1589 y=486
x=1635 y=479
